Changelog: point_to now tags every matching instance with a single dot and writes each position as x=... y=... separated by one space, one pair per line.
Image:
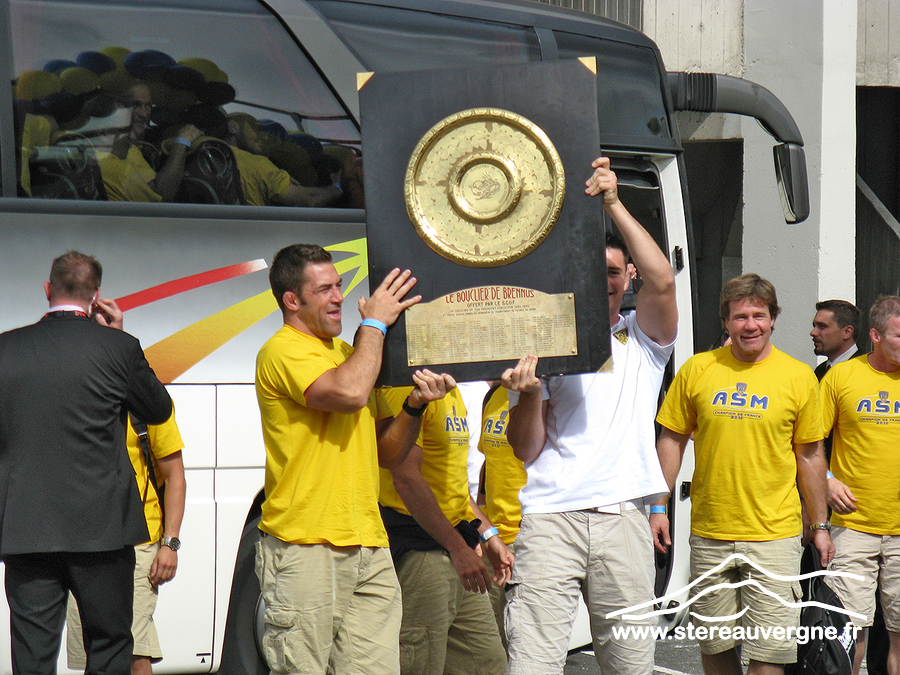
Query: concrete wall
x=878 y=35
x=804 y=51
x=697 y=35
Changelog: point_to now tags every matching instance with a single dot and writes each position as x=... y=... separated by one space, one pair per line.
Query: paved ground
x=673 y=657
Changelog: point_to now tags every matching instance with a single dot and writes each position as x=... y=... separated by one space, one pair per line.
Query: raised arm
x=107 y=313
x=527 y=430
x=170 y=175
x=397 y=435
x=657 y=313
x=346 y=388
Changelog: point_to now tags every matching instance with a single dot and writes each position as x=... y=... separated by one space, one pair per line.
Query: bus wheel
x=241 y=654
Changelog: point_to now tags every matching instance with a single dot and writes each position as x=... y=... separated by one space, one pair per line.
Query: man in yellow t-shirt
x=156 y=561
x=755 y=416
x=861 y=402
x=127 y=177
x=331 y=594
x=503 y=475
x=264 y=183
x=448 y=624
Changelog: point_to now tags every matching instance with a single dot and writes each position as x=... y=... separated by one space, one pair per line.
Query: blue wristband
x=375 y=323
x=828 y=475
x=183 y=141
x=488 y=533
x=658 y=508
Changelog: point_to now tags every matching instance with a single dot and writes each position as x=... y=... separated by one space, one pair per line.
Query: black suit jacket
x=66 y=483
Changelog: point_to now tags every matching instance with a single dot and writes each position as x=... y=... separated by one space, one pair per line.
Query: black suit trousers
x=37 y=588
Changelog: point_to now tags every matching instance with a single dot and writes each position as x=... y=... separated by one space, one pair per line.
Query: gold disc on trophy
x=484 y=187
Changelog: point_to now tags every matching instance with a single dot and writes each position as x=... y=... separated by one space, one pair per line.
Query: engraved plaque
x=490 y=323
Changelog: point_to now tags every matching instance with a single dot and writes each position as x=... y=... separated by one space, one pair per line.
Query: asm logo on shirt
x=740 y=398
x=882 y=404
x=453 y=422
x=496 y=426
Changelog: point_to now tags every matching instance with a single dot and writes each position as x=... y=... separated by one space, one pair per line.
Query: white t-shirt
x=601 y=441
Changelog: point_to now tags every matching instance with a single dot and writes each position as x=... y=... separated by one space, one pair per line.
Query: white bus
x=191 y=273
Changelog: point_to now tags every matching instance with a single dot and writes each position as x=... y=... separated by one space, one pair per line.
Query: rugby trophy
x=475 y=181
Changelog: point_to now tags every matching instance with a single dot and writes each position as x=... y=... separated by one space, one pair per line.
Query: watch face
x=173 y=543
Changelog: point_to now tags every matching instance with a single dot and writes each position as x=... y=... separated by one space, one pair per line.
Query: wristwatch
x=821 y=526
x=173 y=543
x=413 y=412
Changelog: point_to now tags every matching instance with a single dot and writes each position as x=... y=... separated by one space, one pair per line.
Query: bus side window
x=208 y=102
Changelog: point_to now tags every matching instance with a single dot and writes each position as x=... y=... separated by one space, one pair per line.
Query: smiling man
x=331 y=593
x=754 y=413
x=126 y=174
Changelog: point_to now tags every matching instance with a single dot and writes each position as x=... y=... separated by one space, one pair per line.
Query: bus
x=190 y=272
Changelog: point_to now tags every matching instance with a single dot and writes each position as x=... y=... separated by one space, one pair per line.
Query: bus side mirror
x=790 y=170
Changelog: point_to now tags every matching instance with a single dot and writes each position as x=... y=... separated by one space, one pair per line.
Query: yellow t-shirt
x=321 y=467
x=165 y=440
x=127 y=180
x=863 y=406
x=35 y=134
x=444 y=439
x=504 y=474
x=746 y=418
x=261 y=180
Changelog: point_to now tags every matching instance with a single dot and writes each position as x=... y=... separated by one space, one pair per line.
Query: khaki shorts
x=767 y=628
x=876 y=558
x=329 y=608
x=146 y=641
x=446 y=629
x=607 y=559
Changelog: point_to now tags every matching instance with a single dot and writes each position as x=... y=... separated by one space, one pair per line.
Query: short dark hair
x=884 y=307
x=75 y=275
x=289 y=267
x=615 y=241
x=845 y=314
x=748 y=287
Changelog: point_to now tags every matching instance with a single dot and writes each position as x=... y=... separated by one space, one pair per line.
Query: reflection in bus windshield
x=140 y=126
